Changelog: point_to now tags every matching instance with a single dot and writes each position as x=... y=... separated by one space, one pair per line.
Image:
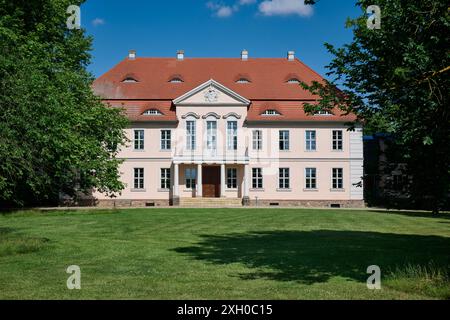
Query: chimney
x=180 y=55
x=291 y=55
x=132 y=54
x=244 y=55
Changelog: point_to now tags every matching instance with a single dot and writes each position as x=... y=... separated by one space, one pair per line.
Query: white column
x=199 y=181
x=246 y=183
x=222 y=180
x=176 y=186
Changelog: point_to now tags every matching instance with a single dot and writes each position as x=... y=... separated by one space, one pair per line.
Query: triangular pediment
x=211 y=93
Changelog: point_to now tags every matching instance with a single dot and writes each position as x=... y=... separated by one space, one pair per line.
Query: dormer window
x=271 y=112
x=243 y=80
x=129 y=80
x=152 y=112
x=293 y=81
x=323 y=113
x=176 y=80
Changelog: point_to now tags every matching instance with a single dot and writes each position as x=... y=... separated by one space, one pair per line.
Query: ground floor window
x=138 y=178
x=284 y=178
x=257 y=178
x=165 y=178
x=338 y=180
x=311 y=178
x=231 y=178
x=190 y=175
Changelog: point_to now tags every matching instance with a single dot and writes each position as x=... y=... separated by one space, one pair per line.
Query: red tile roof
x=268 y=78
x=268 y=87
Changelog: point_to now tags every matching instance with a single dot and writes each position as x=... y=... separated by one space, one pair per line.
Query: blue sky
x=215 y=28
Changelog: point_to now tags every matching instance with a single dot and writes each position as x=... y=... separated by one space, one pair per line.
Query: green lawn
x=224 y=254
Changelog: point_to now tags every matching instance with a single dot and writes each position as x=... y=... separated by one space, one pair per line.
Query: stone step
x=210 y=202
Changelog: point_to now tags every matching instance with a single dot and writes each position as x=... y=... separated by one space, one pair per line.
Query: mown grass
x=224 y=254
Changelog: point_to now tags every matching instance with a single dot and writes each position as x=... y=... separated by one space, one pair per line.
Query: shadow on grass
x=417 y=214
x=316 y=256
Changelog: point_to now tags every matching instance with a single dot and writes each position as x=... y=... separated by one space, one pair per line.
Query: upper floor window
x=284 y=140
x=338 y=179
x=257 y=178
x=311 y=178
x=191 y=138
x=311 y=143
x=337 y=140
x=190 y=176
x=176 y=80
x=271 y=112
x=231 y=178
x=211 y=135
x=165 y=178
x=232 y=135
x=152 y=112
x=243 y=80
x=284 y=178
x=129 y=80
x=257 y=140
x=293 y=81
x=138 y=178
x=166 y=139
x=139 y=139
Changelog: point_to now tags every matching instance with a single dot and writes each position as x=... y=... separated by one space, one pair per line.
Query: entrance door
x=211 y=182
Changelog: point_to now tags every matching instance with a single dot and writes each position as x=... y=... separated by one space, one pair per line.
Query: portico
x=210 y=180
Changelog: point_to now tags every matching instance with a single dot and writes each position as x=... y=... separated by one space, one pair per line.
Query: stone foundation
x=116 y=203
x=309 y=203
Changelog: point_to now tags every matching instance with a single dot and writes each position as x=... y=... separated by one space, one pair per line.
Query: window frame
x=232 y=135
x=190 y=180
x=311 y=179
x=284 y=180
x=231 y=182
x=211 y=136
x=310 y=141
x=337 y=180
x=139 y=178
x=257 y=179
x=257 y=140
x=165 y=177
x=337 y=141
x=284 y=141
x=139 y=142
x=191 y=137
x=166 y=142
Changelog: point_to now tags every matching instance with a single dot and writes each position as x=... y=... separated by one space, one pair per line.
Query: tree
x=396 y=79
x=55 y=135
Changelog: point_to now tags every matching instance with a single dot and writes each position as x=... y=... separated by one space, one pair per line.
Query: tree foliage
x=396 y=79
x=55 y=135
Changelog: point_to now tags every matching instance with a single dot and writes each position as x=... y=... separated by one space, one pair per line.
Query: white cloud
x=223 y=11
x=285 y=7
x=244 y=2
x=98 y=22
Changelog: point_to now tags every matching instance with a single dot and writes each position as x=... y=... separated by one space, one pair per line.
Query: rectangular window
x=284 y=140
x=338 y=179
x=166 y=140
x=191 y=176
x=232 y=135
x=191 y=138
x=311 y=178
x=310 y=140
x=257 y=178
x=165 y=178
x=138 y=178
x=283 y=178
x=231 y=178
x=337 y=140
x=138 y=139
x=211 y=135
x=257 y=140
